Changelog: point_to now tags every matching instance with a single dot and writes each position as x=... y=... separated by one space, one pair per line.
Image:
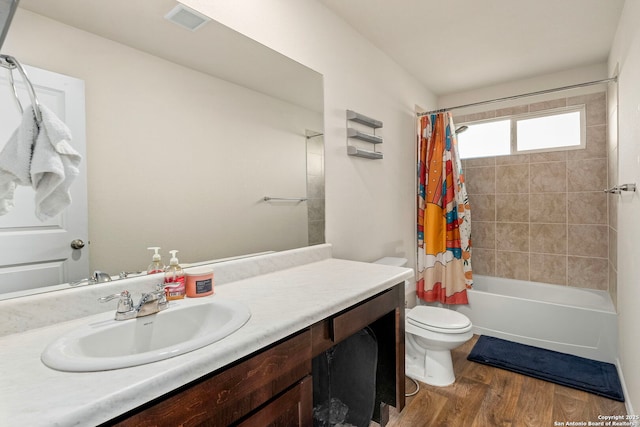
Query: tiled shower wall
x=315 y=188
x=543 y=217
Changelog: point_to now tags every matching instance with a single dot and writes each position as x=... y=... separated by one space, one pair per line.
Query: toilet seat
x=438 y=319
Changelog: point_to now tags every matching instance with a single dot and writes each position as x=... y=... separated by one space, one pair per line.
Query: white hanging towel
x=54 y=166
x=15 y=160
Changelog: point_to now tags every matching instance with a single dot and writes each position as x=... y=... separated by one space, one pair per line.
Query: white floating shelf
x=358 y=152
x=355 y=133
x=364 y=120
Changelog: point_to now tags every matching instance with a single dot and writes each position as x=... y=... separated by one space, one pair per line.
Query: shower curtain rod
x=508 y=98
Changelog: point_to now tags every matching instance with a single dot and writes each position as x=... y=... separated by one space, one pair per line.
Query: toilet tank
x=393 y=261
x=410 y=299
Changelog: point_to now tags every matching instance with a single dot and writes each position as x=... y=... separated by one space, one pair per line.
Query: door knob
x=77 y=244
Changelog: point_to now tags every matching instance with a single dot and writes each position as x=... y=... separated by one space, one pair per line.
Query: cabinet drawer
x=348 y=323
x=342 y=325
x=233 y=393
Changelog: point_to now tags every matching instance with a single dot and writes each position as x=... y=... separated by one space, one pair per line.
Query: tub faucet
x=150 y=303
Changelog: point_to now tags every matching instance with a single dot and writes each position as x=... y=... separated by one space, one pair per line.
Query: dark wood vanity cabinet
x=274 y=386
x=270 y=378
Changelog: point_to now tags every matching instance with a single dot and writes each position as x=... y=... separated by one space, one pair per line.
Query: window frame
x=513 y=145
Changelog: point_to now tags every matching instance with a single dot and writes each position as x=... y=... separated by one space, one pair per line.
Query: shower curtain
x=444 y=216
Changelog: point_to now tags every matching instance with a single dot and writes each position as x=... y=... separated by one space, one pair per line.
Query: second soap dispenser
x=156 y=266
x=174 y=279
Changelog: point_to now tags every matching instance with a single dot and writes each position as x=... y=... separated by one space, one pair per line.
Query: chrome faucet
x=150 y=303
x=97 y=277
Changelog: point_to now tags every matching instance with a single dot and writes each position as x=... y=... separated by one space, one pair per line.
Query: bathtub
x=577 y=321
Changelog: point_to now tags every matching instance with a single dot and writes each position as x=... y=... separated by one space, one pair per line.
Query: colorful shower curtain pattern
x=444 y=215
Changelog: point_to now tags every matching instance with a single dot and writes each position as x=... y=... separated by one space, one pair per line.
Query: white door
x=34 y=253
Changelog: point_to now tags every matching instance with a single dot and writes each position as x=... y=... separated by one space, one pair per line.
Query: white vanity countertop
x=281 y=303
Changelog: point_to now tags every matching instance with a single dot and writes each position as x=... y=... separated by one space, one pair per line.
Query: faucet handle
x=162 y=296
x=110 y=297
x=125 y=304
x=160 y=289
x=125 y=274
x=85 y=281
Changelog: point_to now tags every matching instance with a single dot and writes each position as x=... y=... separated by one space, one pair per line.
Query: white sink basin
x=185 y=326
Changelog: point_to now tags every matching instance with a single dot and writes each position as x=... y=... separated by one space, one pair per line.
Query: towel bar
x=11 y=63
x=617 y=189
x=289 y=199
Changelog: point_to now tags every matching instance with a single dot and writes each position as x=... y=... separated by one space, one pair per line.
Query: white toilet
x=430 y=335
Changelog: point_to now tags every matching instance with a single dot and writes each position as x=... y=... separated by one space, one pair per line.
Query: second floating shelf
x=355 y=133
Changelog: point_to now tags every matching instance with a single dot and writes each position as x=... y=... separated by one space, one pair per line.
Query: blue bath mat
x=565 y=369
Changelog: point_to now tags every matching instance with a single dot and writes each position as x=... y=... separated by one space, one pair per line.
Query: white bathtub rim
x=546 y=297
x=576 y=307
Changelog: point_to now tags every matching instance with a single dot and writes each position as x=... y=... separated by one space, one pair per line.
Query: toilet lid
x=437 y=318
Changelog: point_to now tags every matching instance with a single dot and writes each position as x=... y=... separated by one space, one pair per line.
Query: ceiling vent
x=186 y=17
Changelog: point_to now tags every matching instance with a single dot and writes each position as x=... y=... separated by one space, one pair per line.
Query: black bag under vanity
x=344 y=382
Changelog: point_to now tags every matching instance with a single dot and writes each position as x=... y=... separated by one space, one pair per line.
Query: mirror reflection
x=186 y=133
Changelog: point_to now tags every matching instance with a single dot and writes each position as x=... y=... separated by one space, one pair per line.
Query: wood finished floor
x=484 y=396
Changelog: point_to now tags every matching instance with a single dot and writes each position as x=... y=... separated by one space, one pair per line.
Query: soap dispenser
x=174 y=279
x=156 y=266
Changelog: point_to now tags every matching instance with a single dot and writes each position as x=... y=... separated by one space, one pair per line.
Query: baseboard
x=627 y=401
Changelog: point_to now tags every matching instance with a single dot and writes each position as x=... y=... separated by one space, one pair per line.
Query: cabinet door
x=225 y=398
x=292 y=409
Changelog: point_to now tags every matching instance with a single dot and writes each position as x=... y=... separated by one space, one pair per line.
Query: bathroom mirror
x=186 y=132
x=7 y=9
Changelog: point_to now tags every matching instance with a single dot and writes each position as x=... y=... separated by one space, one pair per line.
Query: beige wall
x=176 y=158
x=543 y=217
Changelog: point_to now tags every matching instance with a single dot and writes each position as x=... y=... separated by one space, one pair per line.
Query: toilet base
x=438 y=367
x=428 y=351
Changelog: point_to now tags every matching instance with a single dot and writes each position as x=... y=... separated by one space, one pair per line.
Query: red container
x=199 y=282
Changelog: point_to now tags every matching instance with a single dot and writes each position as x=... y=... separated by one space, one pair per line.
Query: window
x=485 y=139
x=550 y=130
x=561 y=130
